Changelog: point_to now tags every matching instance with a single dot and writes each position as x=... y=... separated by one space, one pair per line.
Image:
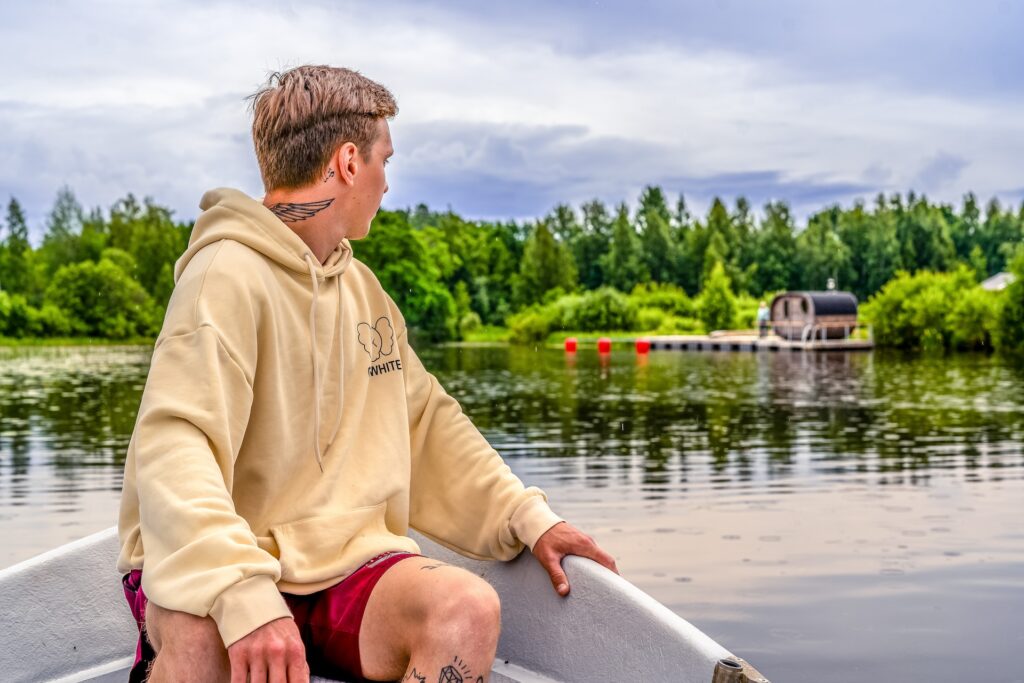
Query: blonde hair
x=302 y=115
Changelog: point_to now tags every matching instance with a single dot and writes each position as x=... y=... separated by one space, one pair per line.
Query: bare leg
x=188 y=648
x=430 y=622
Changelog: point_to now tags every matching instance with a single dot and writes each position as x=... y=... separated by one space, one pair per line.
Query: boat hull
x=67 y=621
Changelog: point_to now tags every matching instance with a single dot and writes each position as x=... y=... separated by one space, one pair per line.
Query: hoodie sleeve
x=463 y=495
x=201 y=557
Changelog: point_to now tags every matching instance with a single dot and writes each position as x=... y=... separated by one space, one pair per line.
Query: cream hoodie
x=288 y=432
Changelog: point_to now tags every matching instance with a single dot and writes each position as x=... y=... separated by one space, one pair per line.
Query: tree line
x=109 y=274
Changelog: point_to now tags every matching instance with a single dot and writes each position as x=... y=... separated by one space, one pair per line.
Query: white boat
x=66 y=620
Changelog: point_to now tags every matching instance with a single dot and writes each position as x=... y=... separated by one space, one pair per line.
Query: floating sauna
x=809 y=316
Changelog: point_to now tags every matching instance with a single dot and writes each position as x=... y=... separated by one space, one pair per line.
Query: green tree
x=965 y=227
x=547 y=265
x=872 y=244
x=721 y=244
x=999 y=234
x=401 y=259
x=716 y=305
x=654 y=222
x=1008 y=335
x=592 y=244
x=775 y=246
x=61 y=243
x=15 y=268
x=822 y=254
x=147 y=232
x=623 y=264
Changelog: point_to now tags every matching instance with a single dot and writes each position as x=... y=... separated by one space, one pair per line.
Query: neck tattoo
x=290 y=212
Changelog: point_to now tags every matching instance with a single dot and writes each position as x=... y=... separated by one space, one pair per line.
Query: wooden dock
x=753 y=343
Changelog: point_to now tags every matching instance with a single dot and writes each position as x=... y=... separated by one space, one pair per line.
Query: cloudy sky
x=509 y=108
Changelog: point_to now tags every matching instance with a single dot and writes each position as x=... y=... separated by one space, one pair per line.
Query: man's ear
x=347 y=158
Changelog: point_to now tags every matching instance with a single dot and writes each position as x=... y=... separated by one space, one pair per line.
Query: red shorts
x=328 y=621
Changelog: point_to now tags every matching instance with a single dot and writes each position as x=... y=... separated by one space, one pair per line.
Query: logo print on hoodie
x=378 y=340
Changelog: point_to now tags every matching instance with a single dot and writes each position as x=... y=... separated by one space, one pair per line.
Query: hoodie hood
x=230 y=214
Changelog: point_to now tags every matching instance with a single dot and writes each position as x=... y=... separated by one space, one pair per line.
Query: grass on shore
x=15 y=342
x=495 y=334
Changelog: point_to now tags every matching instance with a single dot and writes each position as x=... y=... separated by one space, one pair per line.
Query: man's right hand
x=273 y=653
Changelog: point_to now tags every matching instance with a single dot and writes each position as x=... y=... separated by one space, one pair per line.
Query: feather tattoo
x=291 y=213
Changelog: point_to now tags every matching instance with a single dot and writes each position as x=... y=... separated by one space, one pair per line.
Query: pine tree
x=775 y=247
x=653 y=219
x=63 y=228
x=546 y=264
x=623 y=264
x=716 y=305
x=15 y=269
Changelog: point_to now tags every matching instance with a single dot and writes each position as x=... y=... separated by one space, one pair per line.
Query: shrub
x=101 y=300
x=929 y=310
x=650 y=318
x=602 y=309
x=470 y=322
x=49 y=321
x=973 y=319
x=122 y=259
x=531 y=325
x=680 y=325
x=15 y=315
x=746 y=312
x=666 y=297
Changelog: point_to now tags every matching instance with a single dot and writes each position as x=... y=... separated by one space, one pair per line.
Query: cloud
x=505 y=114
x=940 y=171
x=500 y=171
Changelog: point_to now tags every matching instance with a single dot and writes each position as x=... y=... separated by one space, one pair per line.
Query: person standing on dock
x=762 y=319
x=288 y=438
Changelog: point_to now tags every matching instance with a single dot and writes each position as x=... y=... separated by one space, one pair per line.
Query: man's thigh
x=414 y=594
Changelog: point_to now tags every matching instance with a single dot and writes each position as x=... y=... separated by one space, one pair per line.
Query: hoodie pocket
x=316 y=548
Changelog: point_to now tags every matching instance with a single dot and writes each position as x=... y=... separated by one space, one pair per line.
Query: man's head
x=322 y=126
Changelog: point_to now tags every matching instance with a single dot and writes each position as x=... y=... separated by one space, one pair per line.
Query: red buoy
x=570 y=344
x=604 y=345
x=643 y=345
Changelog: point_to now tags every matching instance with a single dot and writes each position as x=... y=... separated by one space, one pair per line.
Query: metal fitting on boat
x=736 y=670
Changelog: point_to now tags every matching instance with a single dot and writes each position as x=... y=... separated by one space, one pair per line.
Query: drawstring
x=316 y=363
x=341 y=379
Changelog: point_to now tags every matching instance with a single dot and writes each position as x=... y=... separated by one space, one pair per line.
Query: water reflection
x=737 y=418
x=817 y=513
x=663 y=423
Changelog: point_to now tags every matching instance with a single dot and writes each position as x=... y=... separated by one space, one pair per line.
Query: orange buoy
x=643 y=345
x=570 y=344
x=604 y=345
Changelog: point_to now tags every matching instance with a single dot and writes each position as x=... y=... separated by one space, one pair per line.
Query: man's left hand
x=564 y=539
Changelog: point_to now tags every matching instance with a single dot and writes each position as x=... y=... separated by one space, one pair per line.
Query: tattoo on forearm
x=291 y=213
x=330 y=174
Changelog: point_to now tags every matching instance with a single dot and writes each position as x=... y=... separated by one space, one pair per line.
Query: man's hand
x=273 y=653
x=564 y=539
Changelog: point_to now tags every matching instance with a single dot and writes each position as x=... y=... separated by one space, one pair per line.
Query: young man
x=288 y=438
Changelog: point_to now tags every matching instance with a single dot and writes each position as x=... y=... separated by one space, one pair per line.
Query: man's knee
x=470 y=605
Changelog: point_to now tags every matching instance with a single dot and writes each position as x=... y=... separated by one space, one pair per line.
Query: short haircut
x=302 y=115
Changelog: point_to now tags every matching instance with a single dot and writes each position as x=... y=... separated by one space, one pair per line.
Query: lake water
x=829 y=517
